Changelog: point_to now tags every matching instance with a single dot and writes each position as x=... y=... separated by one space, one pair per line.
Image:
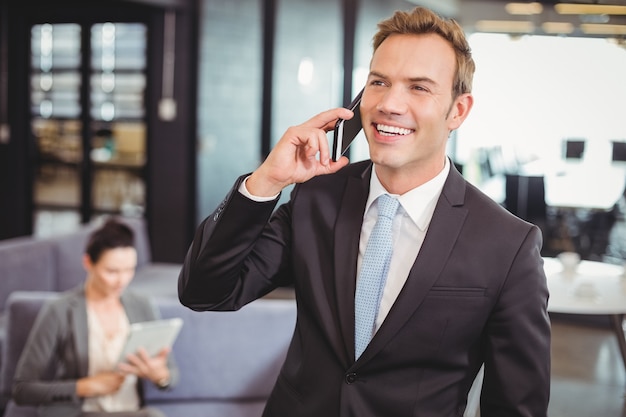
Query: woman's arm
x=33 y=382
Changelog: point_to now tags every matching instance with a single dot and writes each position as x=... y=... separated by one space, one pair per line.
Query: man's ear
x=460 y=110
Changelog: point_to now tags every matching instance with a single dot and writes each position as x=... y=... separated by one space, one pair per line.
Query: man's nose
x=393 y=101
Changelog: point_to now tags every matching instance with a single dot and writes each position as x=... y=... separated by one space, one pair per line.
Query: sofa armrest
x=22 y=310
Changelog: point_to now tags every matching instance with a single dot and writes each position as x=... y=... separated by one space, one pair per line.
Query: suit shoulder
x=491 y=210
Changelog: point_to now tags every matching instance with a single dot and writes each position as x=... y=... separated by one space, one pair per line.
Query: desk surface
x=572 y=185
x=582 y=186
x=595 y=288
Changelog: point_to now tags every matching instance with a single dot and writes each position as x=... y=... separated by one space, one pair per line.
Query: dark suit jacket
x=476 y=293
x=56 y=352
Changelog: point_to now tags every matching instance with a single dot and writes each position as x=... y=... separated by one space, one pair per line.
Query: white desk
x=583 y=186
x=571 y=185
x=595 y=288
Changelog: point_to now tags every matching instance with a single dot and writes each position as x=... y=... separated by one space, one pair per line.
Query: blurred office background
x=152 y=108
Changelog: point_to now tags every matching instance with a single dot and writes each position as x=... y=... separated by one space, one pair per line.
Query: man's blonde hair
x=421 y=21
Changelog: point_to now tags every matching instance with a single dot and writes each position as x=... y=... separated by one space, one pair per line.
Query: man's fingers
x=326 y=120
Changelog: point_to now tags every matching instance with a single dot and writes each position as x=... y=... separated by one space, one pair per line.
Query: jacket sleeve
x=237 y=255
x=32 y=383
x=517 y=350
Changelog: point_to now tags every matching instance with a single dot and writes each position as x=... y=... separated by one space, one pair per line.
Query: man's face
x=407 y=106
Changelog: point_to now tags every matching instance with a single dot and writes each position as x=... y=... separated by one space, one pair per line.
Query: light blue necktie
x=374 y=268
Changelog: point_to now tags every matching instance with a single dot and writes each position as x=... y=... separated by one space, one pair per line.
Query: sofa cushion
x=210 y=408
x=69 y=249
x=228 y=356
x=142 y=240
x=68 y=254
x=157 y=279
x=27 y=264
x=22 y=310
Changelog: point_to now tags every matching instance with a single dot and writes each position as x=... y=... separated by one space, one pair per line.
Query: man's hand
x=301 y=154
x=104 y=383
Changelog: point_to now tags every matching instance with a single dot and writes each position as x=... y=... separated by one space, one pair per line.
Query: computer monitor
x=619 y=151
x=574 y=148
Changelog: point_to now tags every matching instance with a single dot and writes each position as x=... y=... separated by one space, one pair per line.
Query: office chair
x=525 y=197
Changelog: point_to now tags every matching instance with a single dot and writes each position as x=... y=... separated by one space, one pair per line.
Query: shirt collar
x=418 y=203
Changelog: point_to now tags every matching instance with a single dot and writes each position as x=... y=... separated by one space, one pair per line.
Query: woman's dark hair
x=113 y=234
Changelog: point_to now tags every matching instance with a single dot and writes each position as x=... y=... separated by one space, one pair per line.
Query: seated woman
x=69 y=366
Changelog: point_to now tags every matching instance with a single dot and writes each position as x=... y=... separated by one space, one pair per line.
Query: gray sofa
x=55 y=264
x=228 y=361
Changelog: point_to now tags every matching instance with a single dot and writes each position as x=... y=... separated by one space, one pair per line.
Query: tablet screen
x=151 y=335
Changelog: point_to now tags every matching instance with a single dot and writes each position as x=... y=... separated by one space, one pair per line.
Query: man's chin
x=385 y=158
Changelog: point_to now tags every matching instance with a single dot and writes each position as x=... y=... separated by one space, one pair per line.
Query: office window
x=55 y=110
x=229 y=99
x=307 y=65
x=83 y=173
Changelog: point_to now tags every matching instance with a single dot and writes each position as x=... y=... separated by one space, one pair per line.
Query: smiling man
x=462 y=285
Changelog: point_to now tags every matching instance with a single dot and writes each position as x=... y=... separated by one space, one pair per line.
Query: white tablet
x=152 y=336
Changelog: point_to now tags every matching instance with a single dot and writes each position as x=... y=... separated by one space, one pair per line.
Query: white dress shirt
x=104 y=351
x=409 y=229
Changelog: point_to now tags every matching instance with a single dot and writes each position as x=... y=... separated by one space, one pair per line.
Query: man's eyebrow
x=411 y=79
x=423 y=80
x=376 y=74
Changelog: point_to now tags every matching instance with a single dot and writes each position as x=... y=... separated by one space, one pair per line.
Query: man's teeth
x=392 y=130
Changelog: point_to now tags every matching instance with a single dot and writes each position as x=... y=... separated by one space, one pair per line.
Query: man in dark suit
x=465 y=285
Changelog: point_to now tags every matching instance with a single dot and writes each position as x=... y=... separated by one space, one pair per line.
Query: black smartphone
x=346 y=130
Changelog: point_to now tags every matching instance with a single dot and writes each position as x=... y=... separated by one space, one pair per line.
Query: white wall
x=534 y=91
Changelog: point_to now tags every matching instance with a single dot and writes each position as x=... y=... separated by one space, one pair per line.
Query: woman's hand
x=104 y=383
x=300 y=154
x=153 y=368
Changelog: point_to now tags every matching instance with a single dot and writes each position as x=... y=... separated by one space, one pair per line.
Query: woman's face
x=110 y=275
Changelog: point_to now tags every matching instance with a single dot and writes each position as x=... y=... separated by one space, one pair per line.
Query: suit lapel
x=78 y=313
x=347 y=232
x=442 y=234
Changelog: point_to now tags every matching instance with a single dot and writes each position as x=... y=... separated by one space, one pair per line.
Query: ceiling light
x=524 y=8
x=505 y=26
x=570 y=8
x=598 y=29
x=557 y=28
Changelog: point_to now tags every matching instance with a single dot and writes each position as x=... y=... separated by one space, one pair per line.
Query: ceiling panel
x=492 y=15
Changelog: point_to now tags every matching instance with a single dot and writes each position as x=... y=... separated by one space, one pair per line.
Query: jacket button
x=350 y=378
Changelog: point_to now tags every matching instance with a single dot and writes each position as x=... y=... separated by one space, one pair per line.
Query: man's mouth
x=386 y=130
